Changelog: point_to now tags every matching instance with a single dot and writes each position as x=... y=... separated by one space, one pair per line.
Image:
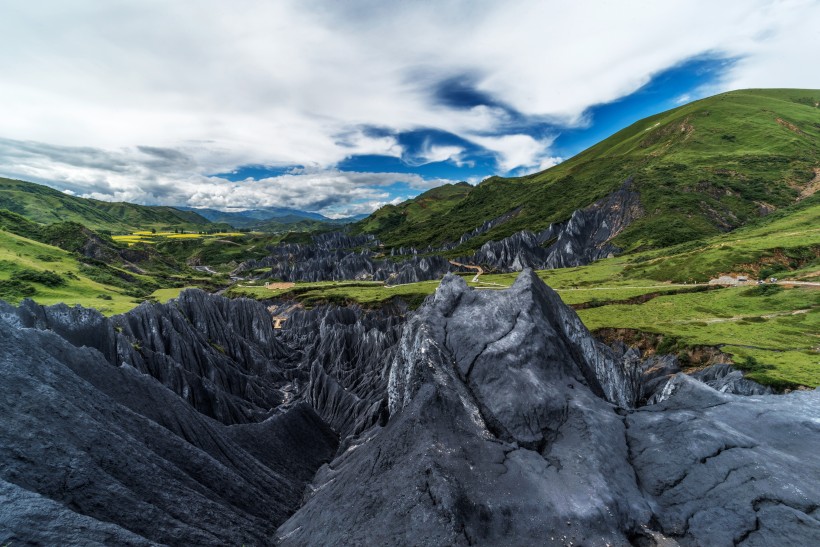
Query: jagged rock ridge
x=485 y=417
x=582 y=239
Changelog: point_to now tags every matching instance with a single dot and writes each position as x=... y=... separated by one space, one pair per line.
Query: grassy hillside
x=701 y=169
x=49 y=275
x=66 y=259
x=403 y=222
x=221 y=251
x=45 y=205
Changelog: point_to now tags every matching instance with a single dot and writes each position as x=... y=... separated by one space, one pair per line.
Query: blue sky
x=342 y=107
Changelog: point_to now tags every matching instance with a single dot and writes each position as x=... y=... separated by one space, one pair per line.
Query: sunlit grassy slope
x=146 y=236
x=18 y=254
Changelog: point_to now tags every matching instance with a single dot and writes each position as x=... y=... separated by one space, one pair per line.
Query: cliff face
x=485 y=417
x=584 y=238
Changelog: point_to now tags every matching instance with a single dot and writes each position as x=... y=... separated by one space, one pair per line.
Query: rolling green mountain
x=701 y=169
x=252 y=217
x=46 y=206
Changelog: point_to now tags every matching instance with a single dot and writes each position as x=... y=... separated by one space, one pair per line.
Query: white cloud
x=279 y=83
x=110 y=174
x=518 y=151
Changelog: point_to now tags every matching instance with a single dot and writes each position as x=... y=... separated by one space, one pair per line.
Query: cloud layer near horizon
x=142 y=101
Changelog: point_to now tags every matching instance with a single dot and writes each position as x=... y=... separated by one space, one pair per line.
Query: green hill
x=46 y=206
x=403 y=221
x=701 y=169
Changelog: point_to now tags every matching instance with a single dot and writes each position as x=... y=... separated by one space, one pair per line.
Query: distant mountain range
x=259 y=217
x=46 y=205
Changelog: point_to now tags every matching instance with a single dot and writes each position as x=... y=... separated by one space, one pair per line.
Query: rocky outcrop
x=726 y=379
x=414 y=270
x=485 y=227
x=729 y=470
x=493 y=408
x=501 y=430
x=347 y=352
x=485 y=417
x=97 y=454
x=340 y=240
x=213 y=352
x=584 y=238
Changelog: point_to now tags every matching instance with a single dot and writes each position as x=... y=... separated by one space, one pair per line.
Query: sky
x=342 y=107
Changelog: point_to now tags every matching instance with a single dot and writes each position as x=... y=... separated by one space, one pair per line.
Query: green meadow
x=21 y=259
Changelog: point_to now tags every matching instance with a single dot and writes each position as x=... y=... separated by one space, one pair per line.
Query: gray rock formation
x=485 y=417
x=498 y=435
x=726 y=379
x=346 y=352
x=213 y=352
x=483 y=229
x=729 y=470
x=91 y=453
x=584 y=238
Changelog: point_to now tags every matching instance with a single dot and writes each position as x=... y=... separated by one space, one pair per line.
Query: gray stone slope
x=510 y=425
x=583 y=238
x=730 y=470
x=107 y=454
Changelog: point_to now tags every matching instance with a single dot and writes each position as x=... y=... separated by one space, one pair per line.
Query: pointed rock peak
x=529 y=283
x=453 y=280
x=527 y=279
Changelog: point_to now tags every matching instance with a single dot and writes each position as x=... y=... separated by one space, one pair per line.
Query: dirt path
x=479 y=270
x=278 y=286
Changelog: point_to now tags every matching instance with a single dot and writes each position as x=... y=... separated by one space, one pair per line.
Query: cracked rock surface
x=485 y=418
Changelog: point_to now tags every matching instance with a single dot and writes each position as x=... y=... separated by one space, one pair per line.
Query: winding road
x=479 y=269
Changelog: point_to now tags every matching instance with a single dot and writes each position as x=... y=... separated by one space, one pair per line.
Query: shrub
x=13 y=289
x=47 y=277
x=763 y=290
